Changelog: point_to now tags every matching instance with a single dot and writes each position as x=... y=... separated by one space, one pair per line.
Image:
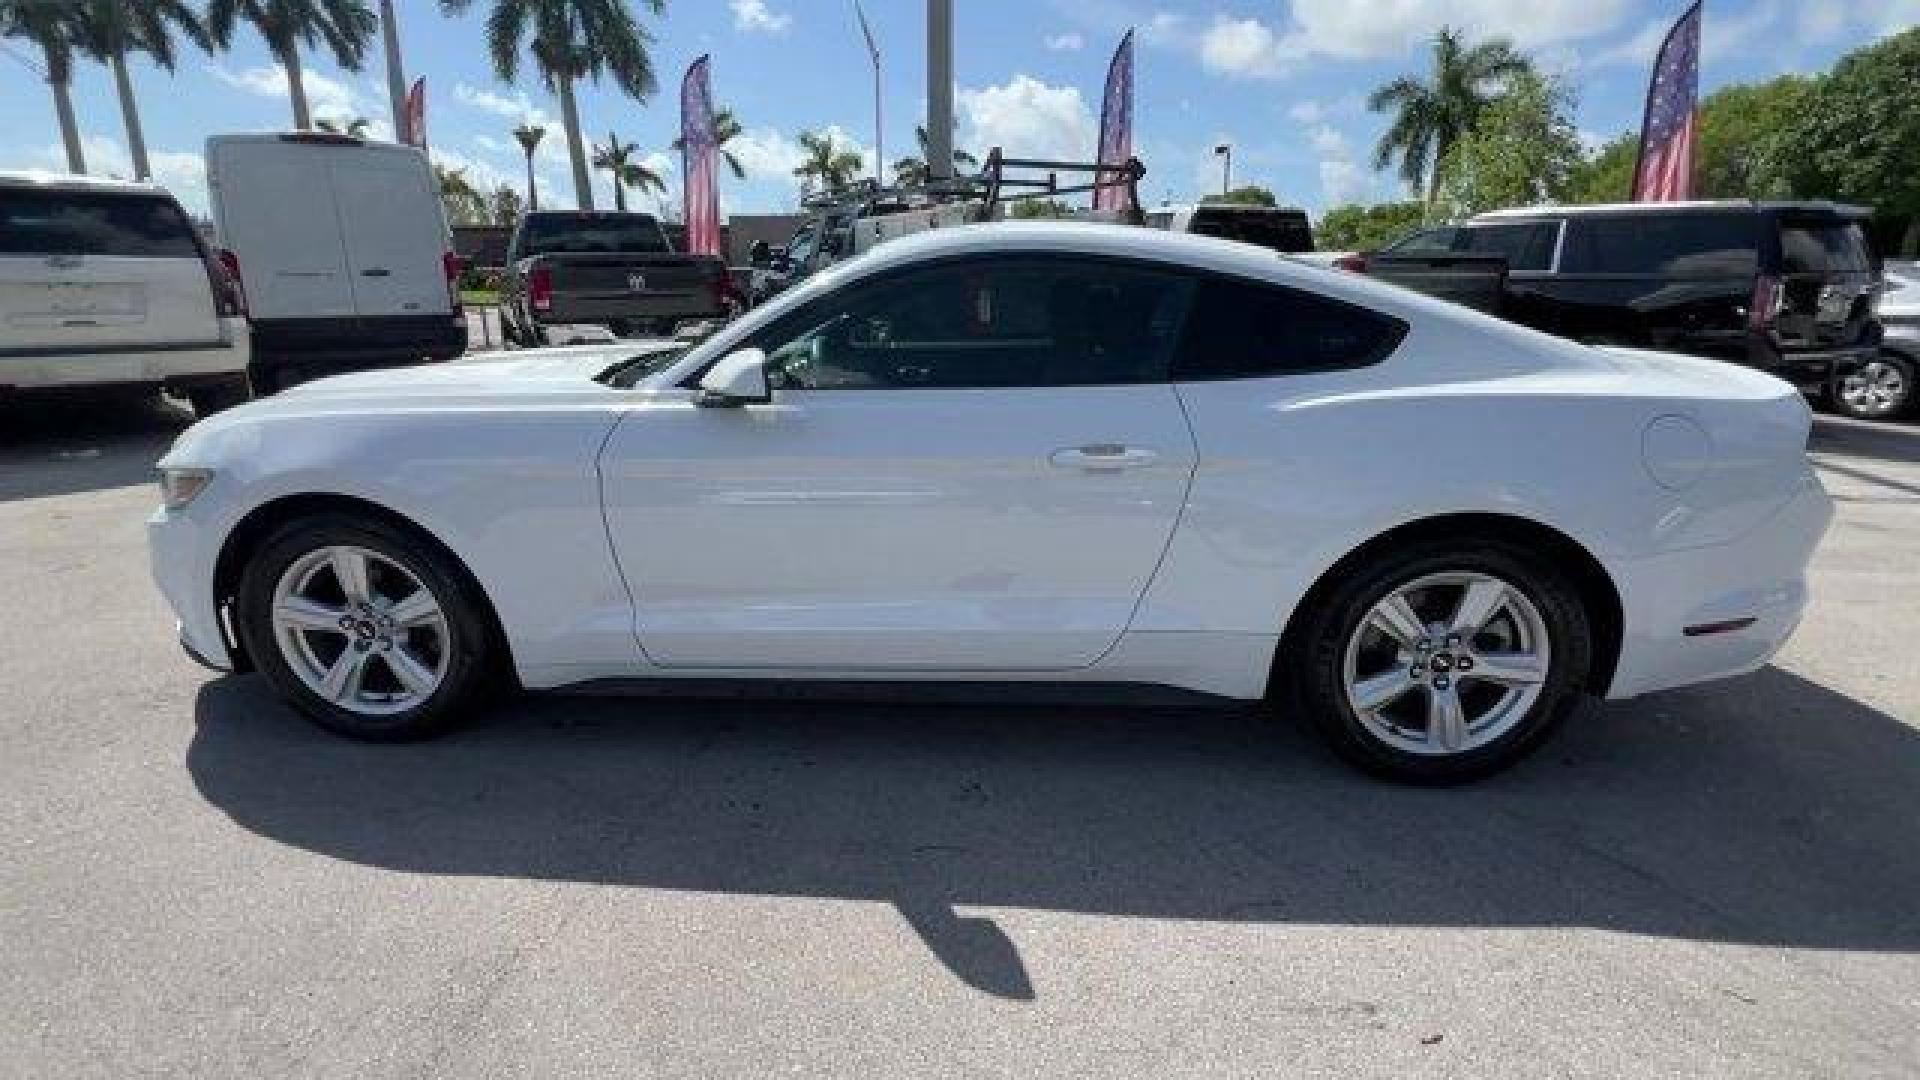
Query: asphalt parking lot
x=1718 y=881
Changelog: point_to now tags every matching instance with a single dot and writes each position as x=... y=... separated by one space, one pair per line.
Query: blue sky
x=1284 y=81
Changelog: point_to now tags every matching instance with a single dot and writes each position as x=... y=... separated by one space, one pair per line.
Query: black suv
x=1788 y=287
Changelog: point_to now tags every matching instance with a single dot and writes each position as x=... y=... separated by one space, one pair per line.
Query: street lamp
x=1225 y=150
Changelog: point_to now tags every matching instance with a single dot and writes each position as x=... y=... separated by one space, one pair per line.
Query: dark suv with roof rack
x=1788 y=287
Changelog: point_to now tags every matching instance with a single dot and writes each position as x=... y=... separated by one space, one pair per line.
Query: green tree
x=343 y=27
x=619 y=159
x=1522 y=150
x=505 y=206
x=1741 y=154
x=726 y=128
x=1858 y=139
x=50 y=27
x=1250 y=195
x=1430 y=116
x=464 y=203
x=1606 y=175
x=911 y=171
x=529 y=136
x=1354 y=227
x=571 y=40
x=826 y=166
x=1027 y=209
x=109 y=30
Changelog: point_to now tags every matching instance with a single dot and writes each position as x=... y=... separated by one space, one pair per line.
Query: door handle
x=1103 y=457
x=376 y=271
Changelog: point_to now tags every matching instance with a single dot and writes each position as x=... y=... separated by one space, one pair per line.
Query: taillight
x=451 y=264
x=1764 y=308
x=724 y=296
x=229 y=293
x=1353 y=264
x=540 y=287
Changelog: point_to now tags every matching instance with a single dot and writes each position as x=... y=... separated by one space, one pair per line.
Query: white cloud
x=326 y=97
x=1342 y=180
x=769 y=157
x=1243 y=48
x=1067 y=42
x=755 y=17
x=182 y=172
x=1348 y=28
x=766 y=154
x=517 y=107
x=1027 y=118
x=1307 y=112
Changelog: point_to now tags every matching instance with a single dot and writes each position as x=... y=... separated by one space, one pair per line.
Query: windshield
x=1281 y=231
x=626 y=234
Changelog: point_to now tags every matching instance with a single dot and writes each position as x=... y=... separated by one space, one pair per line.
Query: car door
x=970 y=466
x=394 y=233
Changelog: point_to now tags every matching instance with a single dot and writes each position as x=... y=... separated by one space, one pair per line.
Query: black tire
x=1890 y=397
x=470 y=648
x=218 y=397
x=1310 y=672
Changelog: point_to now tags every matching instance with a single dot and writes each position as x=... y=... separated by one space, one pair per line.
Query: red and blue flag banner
x=1668 y=133
x=1116 y=125
x=699 y=187
x=416 y=133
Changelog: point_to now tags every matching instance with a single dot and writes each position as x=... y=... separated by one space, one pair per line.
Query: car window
x=1160 y=220
x=1280 y=230
x=589 y=233
x=1013 y=321
x=1440 y=239
x=1527 y=245
x=1244 y=329
x=1823 y=248
x=134 y=226
x=1670 y=245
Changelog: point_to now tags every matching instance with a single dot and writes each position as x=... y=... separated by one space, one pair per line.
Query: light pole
x=1225 y=150
x=879 y=145
x=396 y=76
x=939 y=90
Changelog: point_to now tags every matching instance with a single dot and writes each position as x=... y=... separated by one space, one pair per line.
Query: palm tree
x=913 y=170
x=107 y=30
x=344 y=27
x=571 y=40
x=529 y=136
x=52 y=28
x=464 y=202
x=1429 y=117
x=826 y=164
x=617 y=158
x=726 y=127
x=356 y=127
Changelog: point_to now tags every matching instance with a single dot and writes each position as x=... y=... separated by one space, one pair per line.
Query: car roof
x=1629 y=208
x=48 y=181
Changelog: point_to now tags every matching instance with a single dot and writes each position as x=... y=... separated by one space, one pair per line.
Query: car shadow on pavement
x=1767 y=810
x=68 y=444
x=1886 y=440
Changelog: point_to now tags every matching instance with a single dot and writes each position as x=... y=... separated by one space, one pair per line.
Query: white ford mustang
x=1057 y=452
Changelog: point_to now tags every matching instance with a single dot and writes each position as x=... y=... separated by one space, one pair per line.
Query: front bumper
x=182 y=565
x=1760 y=576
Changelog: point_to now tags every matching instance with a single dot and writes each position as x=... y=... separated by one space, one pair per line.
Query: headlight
x=179 y=486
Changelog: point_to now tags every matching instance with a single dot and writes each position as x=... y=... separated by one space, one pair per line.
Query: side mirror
x=739 y=378
x=760 y=254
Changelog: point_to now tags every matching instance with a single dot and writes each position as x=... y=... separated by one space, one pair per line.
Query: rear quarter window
x=1823 y=248
x=133 y=226
x=1527 y=245
x=1243 y=329
x=1667 y=245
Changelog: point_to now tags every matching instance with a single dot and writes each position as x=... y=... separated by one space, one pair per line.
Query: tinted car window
x=986 y=323
x=1279 y=230
x=94 y=223
x=590 y=233
x=1249 y=330
x=1672 y=245
x=1823 y=248
x=1440 y=239
x=1527 y=245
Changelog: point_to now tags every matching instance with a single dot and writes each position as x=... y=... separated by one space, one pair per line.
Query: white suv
x=108 y=284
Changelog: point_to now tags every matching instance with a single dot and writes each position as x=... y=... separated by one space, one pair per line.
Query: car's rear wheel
x=1442 y=662
x=371 y=631
x=1880 y=389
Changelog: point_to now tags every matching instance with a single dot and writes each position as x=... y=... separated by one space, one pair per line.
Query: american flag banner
x=416 y=133
x=1116 y=124
x=1667 y=135
x=699 y=186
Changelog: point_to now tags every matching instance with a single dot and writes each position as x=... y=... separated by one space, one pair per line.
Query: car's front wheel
x=371 y=631
x=1442 y=662
x=1880 y=389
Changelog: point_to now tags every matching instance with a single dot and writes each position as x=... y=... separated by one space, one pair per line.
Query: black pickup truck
x=1791 y=288
x=583 y=268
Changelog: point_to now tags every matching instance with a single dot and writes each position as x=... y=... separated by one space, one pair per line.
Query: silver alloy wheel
x=360 y=630
x=1876 y=388
x=1447 y=663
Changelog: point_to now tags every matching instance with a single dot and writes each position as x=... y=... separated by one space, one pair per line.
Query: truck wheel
x=211 y=398
x=1880 y=389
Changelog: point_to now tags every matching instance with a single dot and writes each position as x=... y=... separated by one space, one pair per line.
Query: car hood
x=532 y=371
